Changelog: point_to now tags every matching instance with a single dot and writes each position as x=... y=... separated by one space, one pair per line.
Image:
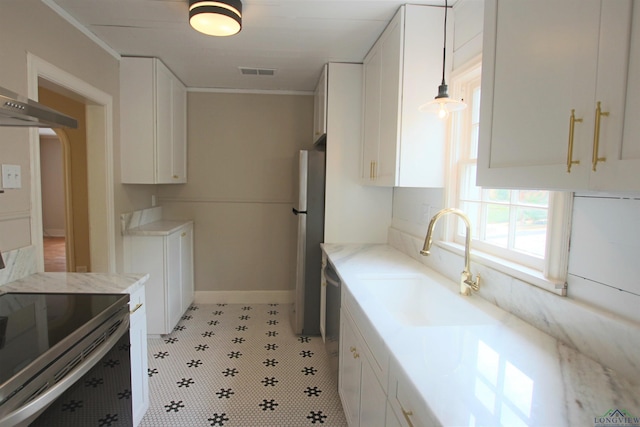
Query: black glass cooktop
x=31 y=324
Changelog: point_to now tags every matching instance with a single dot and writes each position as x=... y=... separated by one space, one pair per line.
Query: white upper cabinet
x=622 y=170
x=153 y=109
x=403 y=147
x=547 y=66
x=320 y=106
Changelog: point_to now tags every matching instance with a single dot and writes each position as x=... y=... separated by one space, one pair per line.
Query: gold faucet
x=466 y=278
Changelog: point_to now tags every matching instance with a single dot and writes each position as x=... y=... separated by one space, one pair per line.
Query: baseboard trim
x=54 y=232
x=243 y=297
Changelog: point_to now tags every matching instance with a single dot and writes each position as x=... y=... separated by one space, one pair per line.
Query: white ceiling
x=296 y=37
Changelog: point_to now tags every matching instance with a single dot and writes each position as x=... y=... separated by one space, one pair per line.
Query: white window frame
x=551 y=273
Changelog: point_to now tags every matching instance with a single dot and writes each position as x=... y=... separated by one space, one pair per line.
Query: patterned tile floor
x=240 y=365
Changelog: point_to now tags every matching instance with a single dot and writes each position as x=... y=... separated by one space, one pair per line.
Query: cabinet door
x=139 y=363
x=179 y=140
x=539 y=64
x=373 y=400
x=390 y=72
x=174 y=280
x=137 y=120
x=320 y=106
x=350 y=371
x=620 y=170
x=392 y=418
x=371 y=114
x=186 y=267
x=146 y=254
x=323 y=300
x=164 y=124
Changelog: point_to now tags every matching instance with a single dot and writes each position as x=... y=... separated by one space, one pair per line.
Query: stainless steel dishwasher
x=332 y=317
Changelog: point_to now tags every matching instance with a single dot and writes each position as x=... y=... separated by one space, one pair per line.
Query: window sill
x=526 y=274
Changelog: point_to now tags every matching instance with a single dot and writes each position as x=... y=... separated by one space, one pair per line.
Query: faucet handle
x=473 y=284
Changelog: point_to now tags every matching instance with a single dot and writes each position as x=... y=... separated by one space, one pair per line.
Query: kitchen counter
x=500 y=372
x=77 y=283
x=149 y=222
x=162 y=227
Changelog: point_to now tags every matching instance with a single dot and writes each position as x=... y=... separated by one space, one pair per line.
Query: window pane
x=508 y=223
x=475 y=106
x=531 y=231
x=497 y=232
x=474 y=125
x=473 y=212
x=497 y=195
x=473 y=142
x=468 y=189
x=533 y=197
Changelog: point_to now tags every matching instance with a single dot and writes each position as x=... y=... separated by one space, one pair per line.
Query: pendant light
x=442 y=105
x=216 y=18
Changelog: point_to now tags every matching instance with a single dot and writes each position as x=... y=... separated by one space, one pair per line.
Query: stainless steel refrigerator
x=308 y=214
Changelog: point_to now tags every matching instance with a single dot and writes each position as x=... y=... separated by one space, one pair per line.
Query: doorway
x=64 y=186
x=98 y=107
x=53 y=201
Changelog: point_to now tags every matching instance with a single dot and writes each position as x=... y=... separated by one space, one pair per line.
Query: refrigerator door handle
x=296 y=211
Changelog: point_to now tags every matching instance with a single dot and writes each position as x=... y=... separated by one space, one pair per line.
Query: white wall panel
x=603 y=259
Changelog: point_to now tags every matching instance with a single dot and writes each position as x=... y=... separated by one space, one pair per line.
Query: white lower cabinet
x=392 y=418
x=139 y=363
x=363 y=398
x=409 y=410
x=372 y=398
x=169 y=261
x=374 y=389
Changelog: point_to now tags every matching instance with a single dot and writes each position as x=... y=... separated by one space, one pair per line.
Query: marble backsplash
x=606 y=338
x=137 y=218
x=18 y=263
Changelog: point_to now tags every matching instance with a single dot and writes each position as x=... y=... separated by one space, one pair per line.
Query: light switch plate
x=11 y=176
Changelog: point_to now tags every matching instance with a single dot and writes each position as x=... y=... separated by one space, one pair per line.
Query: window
x=514 y=225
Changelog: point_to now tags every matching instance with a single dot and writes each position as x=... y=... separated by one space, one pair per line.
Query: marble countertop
x=161 y=227
x=77 y=283
x=498 y=371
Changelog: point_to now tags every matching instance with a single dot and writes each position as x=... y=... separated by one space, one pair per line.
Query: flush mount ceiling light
x=216 y=18
x=442 y=105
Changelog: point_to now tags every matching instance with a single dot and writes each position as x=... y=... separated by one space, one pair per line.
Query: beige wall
x=30 y=26
x=240 y=173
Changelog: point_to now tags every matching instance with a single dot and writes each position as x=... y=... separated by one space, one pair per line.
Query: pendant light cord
x=444 y=48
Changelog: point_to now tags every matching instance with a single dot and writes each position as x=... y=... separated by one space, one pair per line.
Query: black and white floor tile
x=240 y=365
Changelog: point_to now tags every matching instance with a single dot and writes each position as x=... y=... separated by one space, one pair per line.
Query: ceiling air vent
x=248 y=71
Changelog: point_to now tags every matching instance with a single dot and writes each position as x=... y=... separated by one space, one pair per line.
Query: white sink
x=419 y=301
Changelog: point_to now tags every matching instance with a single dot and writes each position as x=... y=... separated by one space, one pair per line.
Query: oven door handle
x=32 y=409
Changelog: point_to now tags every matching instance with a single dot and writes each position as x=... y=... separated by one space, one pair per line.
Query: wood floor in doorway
x=55 y=258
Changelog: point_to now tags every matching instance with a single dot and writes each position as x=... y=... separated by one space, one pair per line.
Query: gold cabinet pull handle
x=407 y=415
x=572 y=125
x=352 y=349
x=596 y=137
x=136 y=308
x=370 y=171
x=356 y=355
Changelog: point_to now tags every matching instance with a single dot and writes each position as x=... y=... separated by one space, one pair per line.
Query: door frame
x=99 y=116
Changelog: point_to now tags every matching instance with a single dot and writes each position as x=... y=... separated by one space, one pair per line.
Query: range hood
x=16 y=110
